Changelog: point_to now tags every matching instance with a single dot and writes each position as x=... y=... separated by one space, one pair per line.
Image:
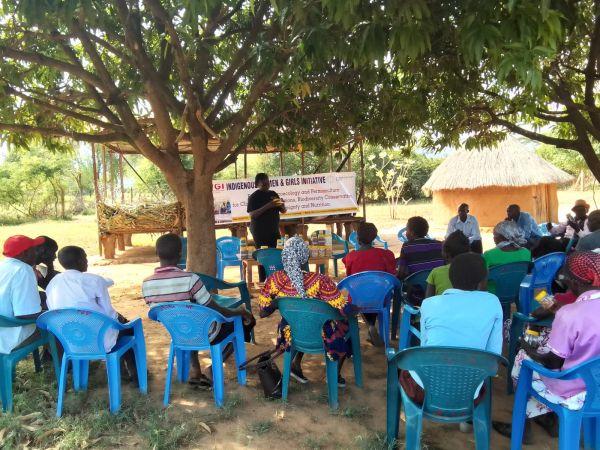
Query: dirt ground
x=305 y=422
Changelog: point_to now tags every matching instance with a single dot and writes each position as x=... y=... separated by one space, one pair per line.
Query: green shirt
x=497 y=257
x=440 y=279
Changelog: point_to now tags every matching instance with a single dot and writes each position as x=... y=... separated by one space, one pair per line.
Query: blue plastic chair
x=372 y=292
x=189 y=326
x=570 y=421
x=8 y=362
x=402 y=235
x=507 y=280
x=81 y=333
x=183 y=261
x=543 y=229
x=306 y=318
x=270 y=259
x=214 y=285
x=451 y=377
x=353 y=240
x=338 y=254
x=228 y=254
x=401 y=303
x=543 y=274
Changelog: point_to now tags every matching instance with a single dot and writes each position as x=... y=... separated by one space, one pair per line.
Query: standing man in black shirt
x=264 y=206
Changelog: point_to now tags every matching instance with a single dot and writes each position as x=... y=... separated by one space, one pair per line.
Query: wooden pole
x=280 y=163
x=362 y=180
x=104 y=174
x=97 y=194
x=236 y=168
x=302 y=158
x=111 y=168
x=350 y=158
x=121 y=177
x=245 y=163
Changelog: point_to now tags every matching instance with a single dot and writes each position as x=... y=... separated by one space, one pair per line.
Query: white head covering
x=294 y=255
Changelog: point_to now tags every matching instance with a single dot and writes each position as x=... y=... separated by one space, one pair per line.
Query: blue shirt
x=471 y=319
x=527 y=224
x=18 y=297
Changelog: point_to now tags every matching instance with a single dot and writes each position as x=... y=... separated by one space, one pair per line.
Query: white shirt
x=469 y=227
x=569 y=231
x=18 y=297
x=74 y=289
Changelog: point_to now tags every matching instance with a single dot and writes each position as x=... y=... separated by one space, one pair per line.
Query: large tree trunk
x=200 y=223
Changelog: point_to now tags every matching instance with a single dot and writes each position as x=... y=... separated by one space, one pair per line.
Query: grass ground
x=192 y=421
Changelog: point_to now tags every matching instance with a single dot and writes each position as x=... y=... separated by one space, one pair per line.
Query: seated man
x=76 y=288
x=171 y=284
x=574 y=227
x=461 y=317
x=526 y=223
x=469 y=226
x=44 y=265
x=420 y=252
x=19 y=296
x=591 y=242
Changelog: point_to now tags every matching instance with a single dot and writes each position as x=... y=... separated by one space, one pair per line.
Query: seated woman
x=293 y=282
x=438 y=280
x=574 y=339
x=368 y=258
x=461 y=317
x=509 y=240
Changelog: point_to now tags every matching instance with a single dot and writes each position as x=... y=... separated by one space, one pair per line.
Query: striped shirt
x=171 y=284
x=421 y=254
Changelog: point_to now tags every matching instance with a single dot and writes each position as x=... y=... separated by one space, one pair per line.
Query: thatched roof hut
x=491 y=179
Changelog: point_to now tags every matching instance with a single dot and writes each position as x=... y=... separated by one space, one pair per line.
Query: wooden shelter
x=491 y=179
x=119 y=220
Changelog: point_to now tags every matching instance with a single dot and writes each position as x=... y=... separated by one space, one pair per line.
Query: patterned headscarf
x=510 y=231
x=294 y=255
x=584 y=267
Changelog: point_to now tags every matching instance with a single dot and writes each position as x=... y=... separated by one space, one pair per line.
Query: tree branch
x=57 y=132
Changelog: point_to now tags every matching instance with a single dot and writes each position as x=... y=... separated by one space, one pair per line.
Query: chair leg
x=6 y=385
x=520 y=408
x=569 y=430
x=356 y=354
x=216 y=354
x=335 y=267
x=37 y=361
x=113 y=370
x=239 y=352
x=393 y=406
x=169 y=375
x=332 y=382
x=414 y=424
x=516 y=330
x=84 y=374
x=141 y=367
x=62 y=385
x=285 y=379
x=241 y=271
x=395 y=316
x=482 y=421
x=404 y=339
x=384 y=327
x=180 y=364
x=76 y=368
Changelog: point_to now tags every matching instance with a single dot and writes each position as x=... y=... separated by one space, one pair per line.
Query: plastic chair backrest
x=353 y=240
x=80 y=331
x=402 y=235
x=229 y=247
x=450 y=376
x=507 y=279
x=338 y=242
x=183 y=260
x=370 y=290
x=589 y=371
x=187 y=323
x=417 y=279
x=270 y=259
x=546 y=267
x=306 y=317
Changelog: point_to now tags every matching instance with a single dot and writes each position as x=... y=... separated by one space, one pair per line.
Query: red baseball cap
x=15 y=245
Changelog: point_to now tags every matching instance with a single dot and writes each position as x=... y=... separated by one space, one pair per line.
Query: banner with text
x=320 y=194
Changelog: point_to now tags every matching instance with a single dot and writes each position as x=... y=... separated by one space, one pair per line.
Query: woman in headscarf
x=292 y=281
x=573 y=340
x=510 y=241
